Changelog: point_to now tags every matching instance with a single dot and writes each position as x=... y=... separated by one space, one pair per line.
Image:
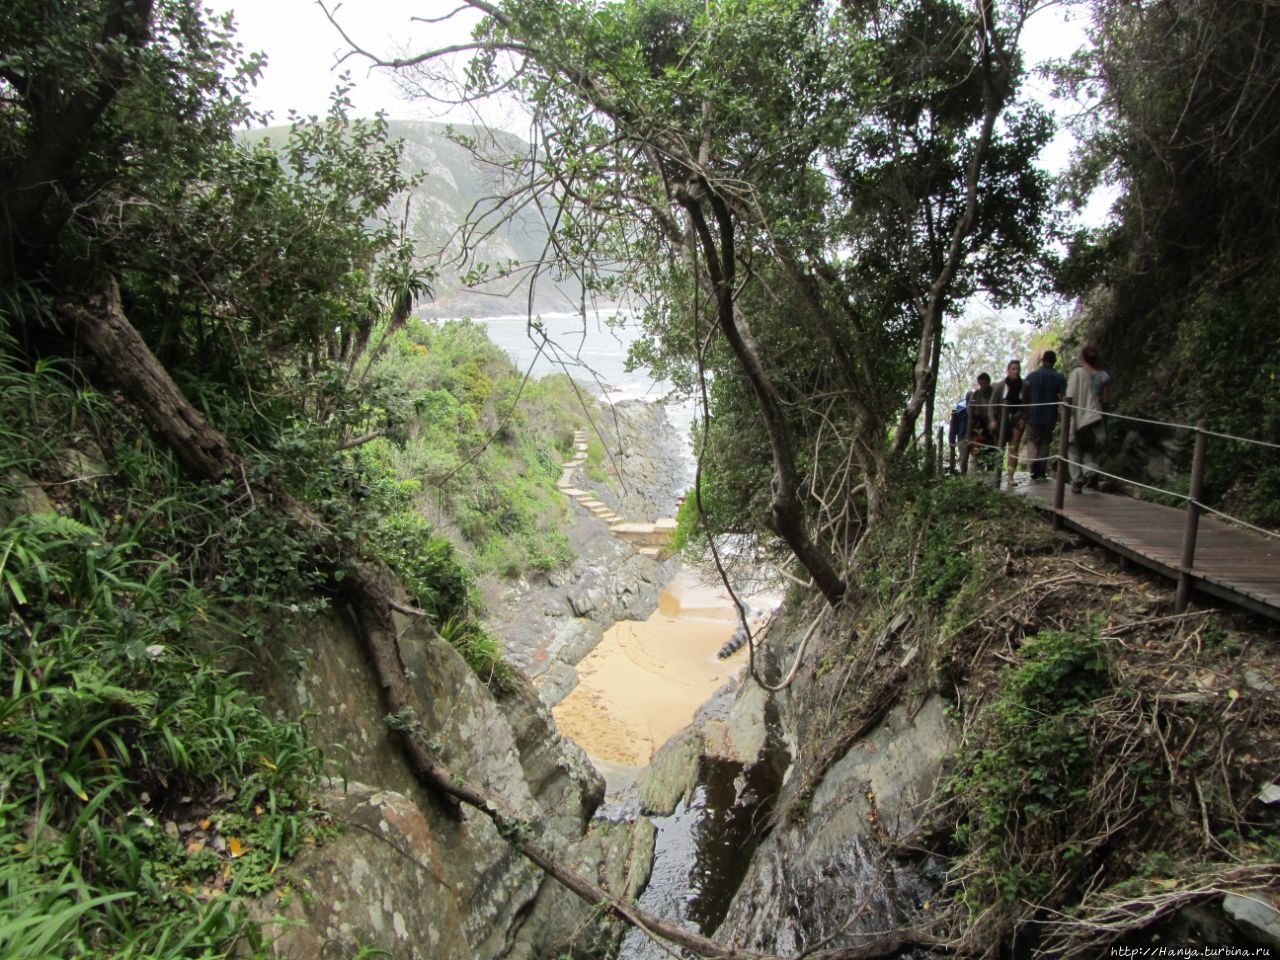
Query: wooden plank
x=1231 y=563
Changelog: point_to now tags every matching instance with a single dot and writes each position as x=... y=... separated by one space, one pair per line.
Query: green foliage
x=689 y=539
x=1189 y=261
x=1025 y=769
x=485 y=450
x=937 y=548
x=117 y=719
x=481 y=651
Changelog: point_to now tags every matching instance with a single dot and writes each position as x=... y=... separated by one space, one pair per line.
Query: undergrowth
x=1113 y=777
x=144 y=788
x=484 y=446
x=1110 y=752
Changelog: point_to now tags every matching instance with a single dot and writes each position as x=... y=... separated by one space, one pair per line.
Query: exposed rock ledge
x=549 y=623
x=402 y=875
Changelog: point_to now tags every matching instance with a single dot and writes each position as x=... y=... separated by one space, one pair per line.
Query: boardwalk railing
x=1194 y=498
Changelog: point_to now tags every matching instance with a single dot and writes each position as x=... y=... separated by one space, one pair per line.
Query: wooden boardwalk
x=1231 y=563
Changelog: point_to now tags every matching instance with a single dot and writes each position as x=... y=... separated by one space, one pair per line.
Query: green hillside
x=482 y=249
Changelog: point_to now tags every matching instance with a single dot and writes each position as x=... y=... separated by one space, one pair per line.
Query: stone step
x=645 y=534
x=652 y=552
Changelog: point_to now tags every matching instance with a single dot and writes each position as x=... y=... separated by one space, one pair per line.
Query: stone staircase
x=647 y=538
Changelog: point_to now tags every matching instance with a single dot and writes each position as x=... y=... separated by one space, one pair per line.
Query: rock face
x=550 y=623
x=404 y=877
x=821 y=876
x=647 y=462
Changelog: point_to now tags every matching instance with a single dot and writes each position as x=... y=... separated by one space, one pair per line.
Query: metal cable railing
x=1193 y=499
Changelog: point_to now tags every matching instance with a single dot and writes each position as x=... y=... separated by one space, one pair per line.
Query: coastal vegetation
x=220 y=415
x=1109 y=756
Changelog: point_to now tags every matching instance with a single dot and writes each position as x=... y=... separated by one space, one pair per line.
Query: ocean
x=593 y=351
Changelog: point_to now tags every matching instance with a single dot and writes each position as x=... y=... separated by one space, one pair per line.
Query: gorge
x=290 y=575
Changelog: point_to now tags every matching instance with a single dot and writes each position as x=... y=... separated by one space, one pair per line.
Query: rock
x=556 y=683
x=803 y=878
x=1256 y=914
x=670 y=775
x=30 y=499
x=424 y=885
x=743 y=734
x=585 y=603
x=574 y=639
x=383 y=882
x=733 y=644
x=1255 y=681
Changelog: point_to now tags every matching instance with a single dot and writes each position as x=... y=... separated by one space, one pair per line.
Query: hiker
x=1007 y=412
x=1043 y=388
x=978 y=433
x=1089 y=389
x=957 y=429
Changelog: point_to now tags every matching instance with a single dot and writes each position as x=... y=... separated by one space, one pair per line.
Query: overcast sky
x=303 y=48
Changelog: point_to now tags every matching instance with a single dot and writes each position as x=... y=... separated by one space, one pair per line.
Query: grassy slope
x=144 y=786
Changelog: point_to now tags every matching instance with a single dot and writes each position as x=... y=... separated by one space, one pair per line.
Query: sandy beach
x=645 y=680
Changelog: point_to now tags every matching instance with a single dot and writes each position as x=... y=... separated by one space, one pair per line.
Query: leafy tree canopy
x=802 y=195
x=1182 y=286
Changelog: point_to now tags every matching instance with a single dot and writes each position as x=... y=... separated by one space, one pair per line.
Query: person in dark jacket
x=1007 y=413
x=978 y=435
x=957 y=429
x=1044 y=387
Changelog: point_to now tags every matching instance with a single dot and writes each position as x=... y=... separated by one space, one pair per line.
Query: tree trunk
x=786 y=511
x=99 y=329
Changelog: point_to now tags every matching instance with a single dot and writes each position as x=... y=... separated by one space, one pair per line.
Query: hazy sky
x=303 y=48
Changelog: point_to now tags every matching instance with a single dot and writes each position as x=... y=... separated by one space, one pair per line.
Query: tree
x=1181 y=287
x=802 y=194
x=981 y=343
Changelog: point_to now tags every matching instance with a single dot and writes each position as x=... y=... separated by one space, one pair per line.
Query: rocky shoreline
x=548 y=623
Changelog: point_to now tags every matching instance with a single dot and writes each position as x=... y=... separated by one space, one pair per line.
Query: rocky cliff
x=401 y=874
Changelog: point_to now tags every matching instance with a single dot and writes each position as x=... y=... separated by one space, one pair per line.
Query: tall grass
x=117 y=721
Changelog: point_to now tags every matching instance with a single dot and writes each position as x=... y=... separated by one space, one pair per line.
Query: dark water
x=703 y=849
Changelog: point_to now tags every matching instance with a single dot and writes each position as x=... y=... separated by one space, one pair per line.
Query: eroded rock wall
x=822 y=875
x=402 y=875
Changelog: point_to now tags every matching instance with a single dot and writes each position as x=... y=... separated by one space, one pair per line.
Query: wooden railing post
x=1060 y=476
x=1193 y=519
x=1004 y=420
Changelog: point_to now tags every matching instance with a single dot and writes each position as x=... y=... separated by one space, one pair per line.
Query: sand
x=645 y=680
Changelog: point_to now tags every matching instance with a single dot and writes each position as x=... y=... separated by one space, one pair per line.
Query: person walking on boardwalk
x=1043 y=388
x=1007 y=412
x=1089 y=389
x=977 y=434
x=957 y=431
